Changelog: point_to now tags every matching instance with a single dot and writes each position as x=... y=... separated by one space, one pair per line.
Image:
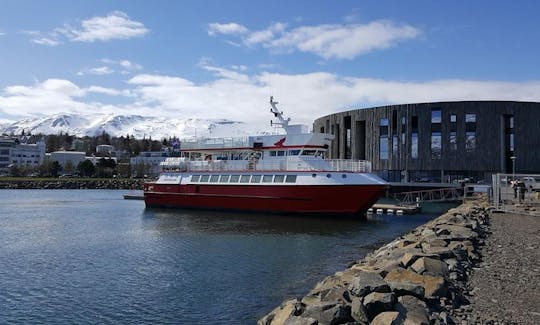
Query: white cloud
x=235 y=95
x=115 y=25
x=328 y=41
x=103 y=70
x=226 y=29
x=45 y=41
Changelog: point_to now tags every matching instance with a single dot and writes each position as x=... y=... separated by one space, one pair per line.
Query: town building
x=15 y=153
x=147 y=162
x=439 y=141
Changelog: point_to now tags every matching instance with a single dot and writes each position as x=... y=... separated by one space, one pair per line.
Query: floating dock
x=133 y=197
x=393 y=209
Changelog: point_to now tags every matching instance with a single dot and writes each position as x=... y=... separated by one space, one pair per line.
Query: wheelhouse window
x=214 y=178
x=195 y=178
x=205 y=178
x=267 y=178
x=290 y=179
x=224 y=178
x=256 y=179
x=245 y=178
x=309 y=152
x=294 y=152
x=279 y=178
x=234 y=179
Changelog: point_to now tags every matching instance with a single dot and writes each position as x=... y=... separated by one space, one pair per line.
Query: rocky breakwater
x=418 y=278
x=73 y=183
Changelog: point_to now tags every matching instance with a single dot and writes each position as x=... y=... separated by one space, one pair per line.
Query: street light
x=513 y=158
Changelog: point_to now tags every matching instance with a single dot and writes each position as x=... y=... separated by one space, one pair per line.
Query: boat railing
x=288 y=164
x=349 y=165
x=214 y=143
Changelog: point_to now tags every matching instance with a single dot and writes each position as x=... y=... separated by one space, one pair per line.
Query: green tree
x=68 y=167
x=55 y=168
x=86 y=168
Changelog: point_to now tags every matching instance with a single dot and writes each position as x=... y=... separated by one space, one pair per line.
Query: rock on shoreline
x=418 y=278
x=74 y=183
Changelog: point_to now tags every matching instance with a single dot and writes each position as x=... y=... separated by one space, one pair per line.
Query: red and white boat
x=284 y=173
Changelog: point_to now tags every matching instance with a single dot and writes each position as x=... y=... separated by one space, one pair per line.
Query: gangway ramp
x=445 y=194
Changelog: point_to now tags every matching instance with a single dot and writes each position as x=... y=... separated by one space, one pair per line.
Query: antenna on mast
x=281 y=121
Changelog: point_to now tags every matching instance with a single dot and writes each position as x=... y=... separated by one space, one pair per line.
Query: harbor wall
x=72 y=183
x=419 y=278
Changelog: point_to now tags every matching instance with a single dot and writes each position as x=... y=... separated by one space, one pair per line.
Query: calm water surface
x=88 y=256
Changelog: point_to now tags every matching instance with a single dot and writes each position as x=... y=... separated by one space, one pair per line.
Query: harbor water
x=88 y=256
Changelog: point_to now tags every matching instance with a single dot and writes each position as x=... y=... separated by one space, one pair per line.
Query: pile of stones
x=112 y=184
x=418 y=278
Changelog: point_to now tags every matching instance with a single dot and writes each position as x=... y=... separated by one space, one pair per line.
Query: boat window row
x=243 y=178
x=295 y=152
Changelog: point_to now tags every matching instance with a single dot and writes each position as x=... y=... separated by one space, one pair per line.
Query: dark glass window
x=205 y=178
x=256 y=178
x=267 y=178
x=195 y=178
x=214 y=178
x=234 y=179
x=290 y=179
x=224 y=178
x=244 y=178
x=436 y=115
x=436 y=146
x=470 y=141
x=453 y=140
x=279 y=178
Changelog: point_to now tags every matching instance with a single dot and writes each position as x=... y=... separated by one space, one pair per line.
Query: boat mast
x=281 y=121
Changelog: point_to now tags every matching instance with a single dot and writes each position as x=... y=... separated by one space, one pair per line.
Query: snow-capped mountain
x=118 y=125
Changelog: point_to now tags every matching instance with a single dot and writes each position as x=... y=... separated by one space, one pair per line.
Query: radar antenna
x=281 y=121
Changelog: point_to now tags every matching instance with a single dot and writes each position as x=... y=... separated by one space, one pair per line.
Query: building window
x=414 y=137
x=436 y=147
x=470 y=132
x=470 y=141
x=453 y=118
x=436 y=115
x=470 y=118
x=383 y=138
x=383 y=147
x=395 y=145
x=453 y=141
x=403 y=130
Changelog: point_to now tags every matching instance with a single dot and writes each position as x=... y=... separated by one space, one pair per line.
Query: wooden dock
x=379 y=208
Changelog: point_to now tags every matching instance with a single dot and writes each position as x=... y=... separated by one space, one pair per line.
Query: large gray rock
x=358 y=311
x=329 y=313
x=387 y=318
x=405 y=282
x=280 y=315
x=412 y=311
x=378 y=302
x=298 y=320
x=430 y=266
x=365 y=282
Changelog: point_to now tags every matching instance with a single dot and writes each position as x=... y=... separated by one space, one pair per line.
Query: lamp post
x=513 y=158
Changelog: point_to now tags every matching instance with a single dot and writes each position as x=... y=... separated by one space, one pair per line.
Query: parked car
x=531 y=184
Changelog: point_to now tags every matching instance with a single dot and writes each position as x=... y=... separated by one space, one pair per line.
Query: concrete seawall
x=419 y=278
x=72 y=183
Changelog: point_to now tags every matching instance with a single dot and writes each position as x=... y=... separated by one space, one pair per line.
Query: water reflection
x=255 y=223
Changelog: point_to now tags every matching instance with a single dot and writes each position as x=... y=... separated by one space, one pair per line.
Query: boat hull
x=309 y=199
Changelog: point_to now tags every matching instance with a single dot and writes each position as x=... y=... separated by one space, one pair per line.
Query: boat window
x=294 y=152
x=234 y=178
x=214 y=178
x=195 y=178
x=267 y=178
x=290 y=179
x=224 y=178
x=308 y=152
x=279 y=178
x=256 y=178
x=205 y=178
x=281 y=153
x=273 y=153
x=245 y=178
x=313 y=175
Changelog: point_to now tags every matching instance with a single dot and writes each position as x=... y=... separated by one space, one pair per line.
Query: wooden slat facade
x=489 y=155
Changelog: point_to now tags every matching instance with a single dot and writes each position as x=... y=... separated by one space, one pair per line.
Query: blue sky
x=223 y=59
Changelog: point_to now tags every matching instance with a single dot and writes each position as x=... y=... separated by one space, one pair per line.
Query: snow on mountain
x=136 y=125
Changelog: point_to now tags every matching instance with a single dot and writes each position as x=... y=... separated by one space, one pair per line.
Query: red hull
x=313 y=199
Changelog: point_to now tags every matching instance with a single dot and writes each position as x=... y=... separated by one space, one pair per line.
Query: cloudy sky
x=223 y=59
